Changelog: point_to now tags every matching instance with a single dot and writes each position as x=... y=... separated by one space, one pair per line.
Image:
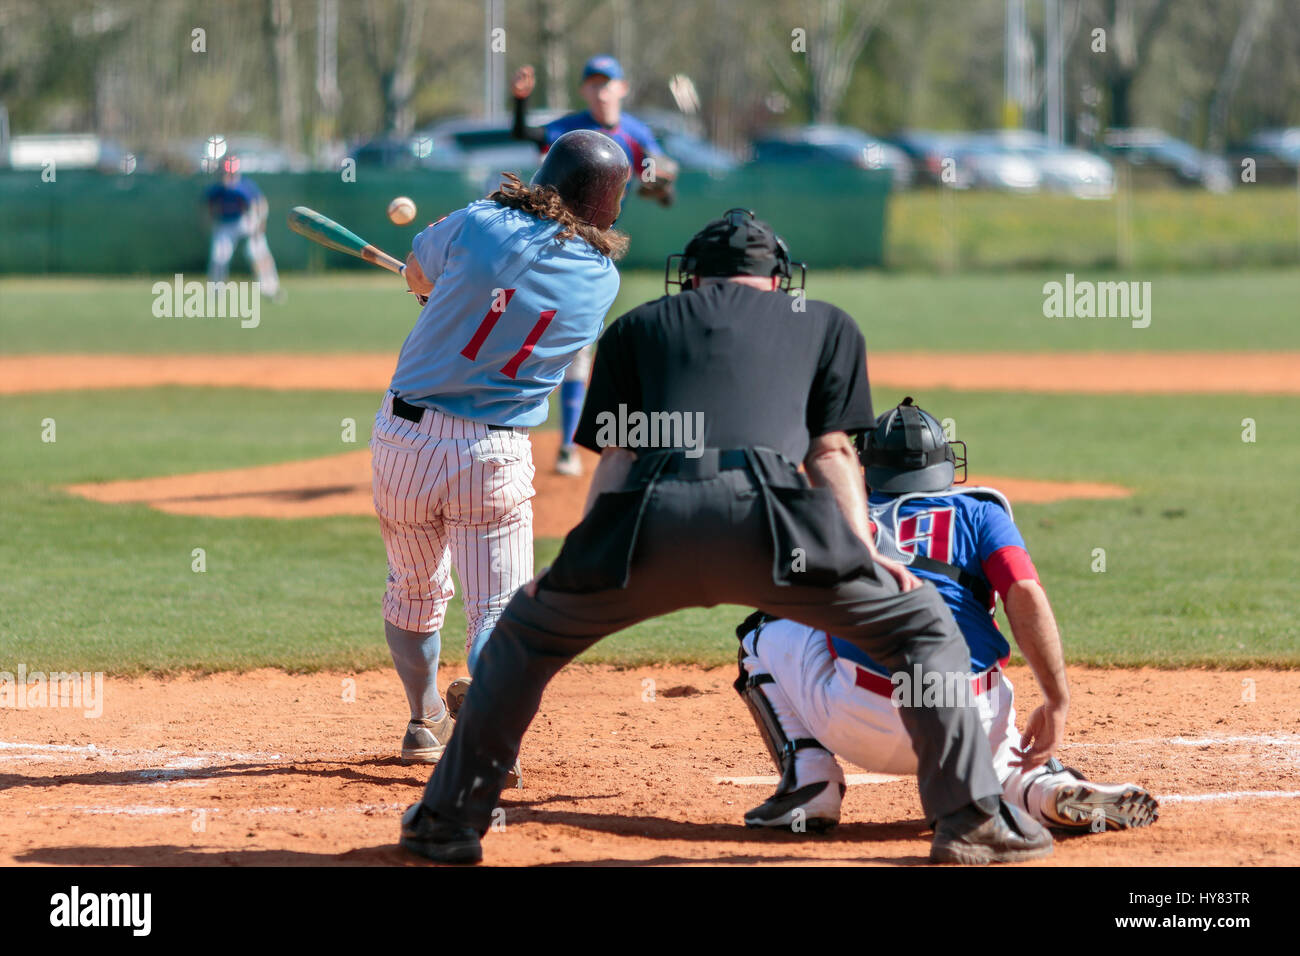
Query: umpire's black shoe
x=439 y=840
x=972 y=836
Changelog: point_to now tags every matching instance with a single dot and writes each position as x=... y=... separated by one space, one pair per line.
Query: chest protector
x=884 y=518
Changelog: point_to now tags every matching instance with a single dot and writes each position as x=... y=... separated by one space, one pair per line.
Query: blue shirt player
x=513 y=286
x=603 y=89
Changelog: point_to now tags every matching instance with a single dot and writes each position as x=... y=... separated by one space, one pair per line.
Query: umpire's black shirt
x=761 y=373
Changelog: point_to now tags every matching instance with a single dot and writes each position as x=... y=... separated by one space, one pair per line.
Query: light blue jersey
x=509 y=310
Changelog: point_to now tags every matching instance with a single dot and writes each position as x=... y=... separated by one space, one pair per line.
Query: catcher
x=815 y=696
x=603 y=88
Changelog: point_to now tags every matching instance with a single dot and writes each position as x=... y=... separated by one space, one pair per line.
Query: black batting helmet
x=589 y=171
x=907 y=451
x=738 y=244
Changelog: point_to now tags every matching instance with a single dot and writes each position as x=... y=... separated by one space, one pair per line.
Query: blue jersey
x=971 y=529
x=510 y=308
x=229 y=203
x=634 y=136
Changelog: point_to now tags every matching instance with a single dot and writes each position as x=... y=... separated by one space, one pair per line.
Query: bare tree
x=396 y=76
x=284 y=50
x=1251 y=26
x=833 y=53
x=1131 y=42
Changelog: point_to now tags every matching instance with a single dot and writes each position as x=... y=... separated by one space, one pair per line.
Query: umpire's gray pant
x=701 y=543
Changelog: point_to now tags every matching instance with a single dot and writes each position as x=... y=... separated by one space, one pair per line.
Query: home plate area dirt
x=643 y=765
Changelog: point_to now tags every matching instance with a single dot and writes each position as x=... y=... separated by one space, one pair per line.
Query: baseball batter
x=815 y=696
x=516 y=285
x=603 y=89
x=237 y=210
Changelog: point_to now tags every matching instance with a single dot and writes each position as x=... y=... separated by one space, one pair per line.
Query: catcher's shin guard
x=815 y=806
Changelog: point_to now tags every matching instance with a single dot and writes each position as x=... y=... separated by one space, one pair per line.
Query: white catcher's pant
x=817 y=695
x=451 y=492
x=225 y=236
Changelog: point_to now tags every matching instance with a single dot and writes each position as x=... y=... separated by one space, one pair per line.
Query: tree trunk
x=1252 y=24
x=551 y=15
x=284 y=47
x=400 y=88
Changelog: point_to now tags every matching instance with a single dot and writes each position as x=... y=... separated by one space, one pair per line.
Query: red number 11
x=511 y=368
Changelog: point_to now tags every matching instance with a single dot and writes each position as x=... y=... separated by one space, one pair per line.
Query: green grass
x=1215 y=311
x=1187 y=229
x=1200 y=561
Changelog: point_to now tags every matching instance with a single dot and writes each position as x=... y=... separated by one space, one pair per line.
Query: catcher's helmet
x=907 y=451
x=738 y=244
x=589 y=171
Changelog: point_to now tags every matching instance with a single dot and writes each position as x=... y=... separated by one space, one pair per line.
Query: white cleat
x=1085 y=805
x=814 y=808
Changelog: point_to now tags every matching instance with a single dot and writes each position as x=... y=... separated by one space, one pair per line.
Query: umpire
x=676 y=519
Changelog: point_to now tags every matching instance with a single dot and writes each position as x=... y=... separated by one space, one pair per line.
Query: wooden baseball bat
x=327 y=232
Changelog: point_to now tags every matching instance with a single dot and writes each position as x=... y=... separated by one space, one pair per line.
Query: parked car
x=683 y=139
x=256 y=155
x=1274 y=152
x=1062 y=169
x=987 y=163
x=927 y=150
x=65 y=151
x=1155 y=156
x=385 y=152
x=833 y=145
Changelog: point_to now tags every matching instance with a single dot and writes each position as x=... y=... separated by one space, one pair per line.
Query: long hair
x=545 y=203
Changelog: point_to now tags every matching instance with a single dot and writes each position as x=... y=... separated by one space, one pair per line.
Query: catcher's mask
x=907 y=451
x=738 y=244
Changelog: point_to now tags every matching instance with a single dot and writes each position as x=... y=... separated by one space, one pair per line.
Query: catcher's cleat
x=1085 y=805
x=425 y=740
x=568 y=463
x=439 y=840
x=814 y=808
x=973 y=837
x=455 y=698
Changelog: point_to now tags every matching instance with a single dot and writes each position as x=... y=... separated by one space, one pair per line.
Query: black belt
x=707 y=463
x=413 y=413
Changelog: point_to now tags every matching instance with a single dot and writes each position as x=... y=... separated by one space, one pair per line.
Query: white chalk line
x=1229 y=795
x=176 y=759
x=147 y=810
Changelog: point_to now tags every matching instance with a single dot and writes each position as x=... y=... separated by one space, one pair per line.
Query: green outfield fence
x=93 y=223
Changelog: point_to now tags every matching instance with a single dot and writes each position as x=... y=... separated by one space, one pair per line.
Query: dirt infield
x=1138 y=373
x=621 y=766
x=340 y=484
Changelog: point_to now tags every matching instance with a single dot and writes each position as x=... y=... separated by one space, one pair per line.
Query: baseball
x=401 y=210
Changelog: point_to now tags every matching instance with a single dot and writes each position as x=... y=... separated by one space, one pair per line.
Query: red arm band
x=1005 y=566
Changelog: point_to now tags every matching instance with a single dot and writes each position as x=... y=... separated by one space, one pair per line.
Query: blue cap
x=603 y=65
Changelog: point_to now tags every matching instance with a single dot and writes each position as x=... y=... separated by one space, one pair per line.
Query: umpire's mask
x=907 y=452
x=738 y=244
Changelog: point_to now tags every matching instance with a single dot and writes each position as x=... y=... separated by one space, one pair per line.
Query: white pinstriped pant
x=451 y=492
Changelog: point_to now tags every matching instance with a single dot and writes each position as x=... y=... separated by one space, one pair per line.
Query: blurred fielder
x=237 y=210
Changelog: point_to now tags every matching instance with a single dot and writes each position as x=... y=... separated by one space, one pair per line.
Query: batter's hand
x=1043 y=734
x=521 y=87
x=416 y=280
